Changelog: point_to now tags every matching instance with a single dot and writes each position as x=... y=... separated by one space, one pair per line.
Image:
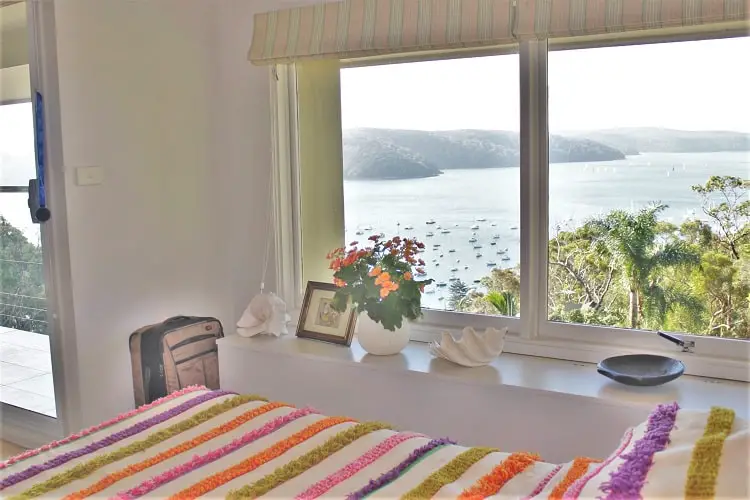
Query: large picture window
x=585 y=218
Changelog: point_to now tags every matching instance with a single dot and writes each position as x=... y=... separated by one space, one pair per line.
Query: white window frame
x=532 y=333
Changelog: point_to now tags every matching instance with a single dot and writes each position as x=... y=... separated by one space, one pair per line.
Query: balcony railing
x=23 y=305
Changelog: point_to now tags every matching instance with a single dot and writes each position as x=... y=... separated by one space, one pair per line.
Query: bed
x=202 y=443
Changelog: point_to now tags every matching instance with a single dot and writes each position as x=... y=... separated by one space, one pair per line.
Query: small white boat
x=493 y=243
x=441 y=299
x=477 y=281
x=437 y=264
x=513 y=228
x=429 y=291
x=409 y=228
x=454 y=278
x=475 y=226
x=360 y=233
x=472 y=240
x=479 y=254
x=481 y=219
x=491 y=264
x=452 y=250
x=454 y=269
x=495 y=236
x=436 y=245
x=445 y=231
x=493 y=224
x=430 y=234
x=441 y=284
x=477 y=246
x=431 y=221
x=466 y=267
x=505 y=258
x=368 y=228
x=441 y=255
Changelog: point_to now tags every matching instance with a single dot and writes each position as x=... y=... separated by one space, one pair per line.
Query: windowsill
x=528 y=372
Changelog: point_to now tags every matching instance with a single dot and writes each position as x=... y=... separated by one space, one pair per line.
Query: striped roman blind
x=360 y=28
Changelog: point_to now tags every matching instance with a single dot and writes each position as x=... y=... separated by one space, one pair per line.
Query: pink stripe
x=576 y=488
x=322 y=486
x=103 y=425
x=200 y=460
x=544 y=483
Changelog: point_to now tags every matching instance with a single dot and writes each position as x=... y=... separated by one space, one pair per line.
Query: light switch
x=89 y=176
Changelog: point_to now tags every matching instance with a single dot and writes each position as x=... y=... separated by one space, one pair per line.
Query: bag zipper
x=191 y=340
x=189 y=358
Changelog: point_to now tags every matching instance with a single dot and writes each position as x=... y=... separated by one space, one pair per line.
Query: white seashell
x=472 y=349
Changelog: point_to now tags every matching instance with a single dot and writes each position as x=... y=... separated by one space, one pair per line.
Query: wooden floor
x=8 y=450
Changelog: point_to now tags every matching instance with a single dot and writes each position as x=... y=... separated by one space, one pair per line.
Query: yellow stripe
x=306 y=461
x=704 y=464
x=448 y=473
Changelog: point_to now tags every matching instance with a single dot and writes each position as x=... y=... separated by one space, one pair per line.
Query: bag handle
x=175 y=318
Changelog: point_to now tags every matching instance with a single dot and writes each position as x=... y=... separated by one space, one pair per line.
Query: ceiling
x=14 y=44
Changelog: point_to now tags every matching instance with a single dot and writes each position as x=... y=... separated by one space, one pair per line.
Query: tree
x=631 y=239
x=22 y=302
x=579 y=273
x=504 y=302
x=458 y=292
x=724 y=200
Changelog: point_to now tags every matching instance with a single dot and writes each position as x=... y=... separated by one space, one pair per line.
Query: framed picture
x=318 y=320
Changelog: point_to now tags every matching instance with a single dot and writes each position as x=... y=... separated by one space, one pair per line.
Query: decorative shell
x=472 y=349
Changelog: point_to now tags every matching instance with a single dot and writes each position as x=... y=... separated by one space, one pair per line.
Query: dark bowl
x=641 y=369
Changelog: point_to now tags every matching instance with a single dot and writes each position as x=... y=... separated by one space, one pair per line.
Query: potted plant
x=381 y=281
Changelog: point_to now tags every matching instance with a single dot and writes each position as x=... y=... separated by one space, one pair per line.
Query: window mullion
x=534 y=140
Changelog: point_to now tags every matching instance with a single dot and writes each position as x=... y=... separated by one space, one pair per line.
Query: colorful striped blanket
x=201 y=443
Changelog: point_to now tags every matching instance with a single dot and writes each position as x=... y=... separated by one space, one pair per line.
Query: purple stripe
x=394 y=473
x=627 y=481
x=117 y=436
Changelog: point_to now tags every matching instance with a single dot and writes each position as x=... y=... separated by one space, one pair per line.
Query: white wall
x=159 y=94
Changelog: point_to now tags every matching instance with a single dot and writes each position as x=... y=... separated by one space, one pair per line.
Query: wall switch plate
x=89 y=176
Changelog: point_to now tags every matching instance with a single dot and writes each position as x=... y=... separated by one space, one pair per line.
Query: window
x=608 y=207
x=650 y=218
x=431 y=151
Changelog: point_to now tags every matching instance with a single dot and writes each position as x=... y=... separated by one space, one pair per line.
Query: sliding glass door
x=26 y=380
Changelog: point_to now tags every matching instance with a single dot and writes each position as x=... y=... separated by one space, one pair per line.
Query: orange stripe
x=579 y=468
x=130 y=470
x=212 y=482
x=492 y=483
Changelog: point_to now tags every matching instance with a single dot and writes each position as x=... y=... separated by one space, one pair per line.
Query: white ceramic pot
x=377 y=340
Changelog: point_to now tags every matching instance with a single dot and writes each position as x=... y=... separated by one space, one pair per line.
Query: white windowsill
x=529 y=372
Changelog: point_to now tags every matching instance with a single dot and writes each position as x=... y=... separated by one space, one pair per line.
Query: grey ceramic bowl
x=641 y=369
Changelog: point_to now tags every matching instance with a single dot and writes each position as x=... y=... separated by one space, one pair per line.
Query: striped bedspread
x=201 y=443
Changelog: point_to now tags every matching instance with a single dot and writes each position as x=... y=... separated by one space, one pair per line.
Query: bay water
x=489 y=201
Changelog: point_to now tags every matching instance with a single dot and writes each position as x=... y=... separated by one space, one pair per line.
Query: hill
x=662 y=140
x=399 y=154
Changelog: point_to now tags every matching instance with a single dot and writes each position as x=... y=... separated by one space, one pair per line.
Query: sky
x=702 y=85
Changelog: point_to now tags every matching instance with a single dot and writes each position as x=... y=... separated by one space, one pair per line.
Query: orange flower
x=383 y=278
x=375 y=271
x=407 y=276
x=388 y=287
x=335 y=265
x=339 y=282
